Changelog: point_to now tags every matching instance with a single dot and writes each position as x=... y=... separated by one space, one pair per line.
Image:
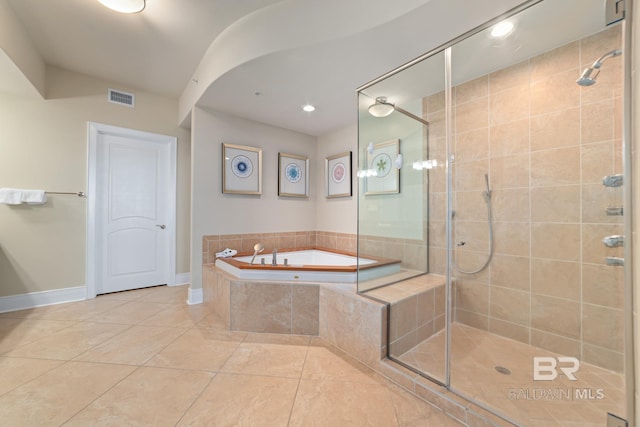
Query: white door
x=133 y=198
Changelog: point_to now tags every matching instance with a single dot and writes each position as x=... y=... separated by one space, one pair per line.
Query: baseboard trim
x=182 y=279
x=39 y=299
x=195 y=296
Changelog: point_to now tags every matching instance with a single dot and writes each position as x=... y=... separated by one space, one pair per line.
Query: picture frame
x=382 y=176
x=338 y=175
x=241 y=169
x=293 y=175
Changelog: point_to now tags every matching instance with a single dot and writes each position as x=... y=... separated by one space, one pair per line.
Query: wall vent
x=120 y=97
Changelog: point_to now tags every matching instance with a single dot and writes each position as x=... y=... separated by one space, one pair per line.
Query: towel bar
x=79 y=193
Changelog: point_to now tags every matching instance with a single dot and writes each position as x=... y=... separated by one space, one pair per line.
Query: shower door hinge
x=616 y=421
x=613 y=11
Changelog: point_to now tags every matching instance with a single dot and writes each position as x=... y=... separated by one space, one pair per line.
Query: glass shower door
x=537 y=235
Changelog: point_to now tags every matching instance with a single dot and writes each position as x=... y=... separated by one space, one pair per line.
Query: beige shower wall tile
x=475 y=320
x=555 y=241
x=510 y=204
x=555 y=343
x=593 y=249
x=555 y=92
x=515 y=75
x=597 y=121
x=472 y=296
x=404 y=317
x=509 y=138
x=603 y=357
x=510 y=305
x=509 y=330
x=472 y=145
x=509 y=105
x=511 y=238
x=564 y=58
x=595 y=200
x=597 y=161
x=555 y=167
x=555 y=278
x=474 y=234
x=510 y=272
x=472 y=90
x=556 y=316
x=470 y=206
x=603 y=285
x=603 y=327
x=510 y=171
x=472 y=115
x=556 y=204
x=556 y=129
x=435 y=102
x=470 y=176
x=596 y=45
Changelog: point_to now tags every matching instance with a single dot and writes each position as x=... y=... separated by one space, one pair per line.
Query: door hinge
x=613 y=11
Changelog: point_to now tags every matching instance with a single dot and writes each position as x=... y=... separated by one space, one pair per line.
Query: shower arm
x=598 y=62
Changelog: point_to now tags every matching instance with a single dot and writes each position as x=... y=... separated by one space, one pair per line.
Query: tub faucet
x=274 y=260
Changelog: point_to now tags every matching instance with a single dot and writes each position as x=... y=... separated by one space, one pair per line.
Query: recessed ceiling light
x=502 y=29
x=309 y=108
x=125 y=6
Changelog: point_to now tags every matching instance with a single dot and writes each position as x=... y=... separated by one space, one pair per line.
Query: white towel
x=34 y=197
x=10 y=196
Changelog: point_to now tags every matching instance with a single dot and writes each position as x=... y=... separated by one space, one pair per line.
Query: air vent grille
x=120 y=97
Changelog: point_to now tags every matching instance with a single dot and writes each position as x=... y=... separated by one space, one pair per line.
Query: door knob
x=162 y=226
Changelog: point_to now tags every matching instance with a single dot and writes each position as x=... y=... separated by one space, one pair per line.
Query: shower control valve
x=614 y=241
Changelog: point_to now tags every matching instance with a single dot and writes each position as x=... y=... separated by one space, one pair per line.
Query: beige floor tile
x=15 y=333
x=147 y=397
x=57 y=395
x=412 y=411
x=212 y=321
x=266 y=359
x=178 y=316
x=76 y=311
x=330 y=363
x=243 y=400
x=17 y=371
x=131 y=295
x=331 y=403
x=131 y=313
x=199 y=349
x=69 y=342
x=134 y=346
x=167 y=295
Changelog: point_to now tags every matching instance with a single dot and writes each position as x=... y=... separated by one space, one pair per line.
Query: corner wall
x=215 y=213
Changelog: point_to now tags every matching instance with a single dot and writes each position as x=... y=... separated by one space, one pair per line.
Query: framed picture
x=338 y=173
x=241 y=169
x=382 y=177
x=293 y=175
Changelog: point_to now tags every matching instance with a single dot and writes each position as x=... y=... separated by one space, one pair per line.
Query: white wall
x=43 y=144
x=339 y=215
x=215 y=213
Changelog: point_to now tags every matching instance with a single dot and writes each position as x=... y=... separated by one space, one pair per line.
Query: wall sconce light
x=125 y=6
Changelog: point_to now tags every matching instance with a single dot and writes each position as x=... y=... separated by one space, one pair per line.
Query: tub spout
x=274 y=260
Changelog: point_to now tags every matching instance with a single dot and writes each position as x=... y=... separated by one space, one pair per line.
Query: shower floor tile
x=561 y=402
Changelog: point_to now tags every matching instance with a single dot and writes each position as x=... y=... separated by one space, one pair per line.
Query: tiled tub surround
x=546 y=143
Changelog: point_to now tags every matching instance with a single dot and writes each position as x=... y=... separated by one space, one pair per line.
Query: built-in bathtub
x=309 y=265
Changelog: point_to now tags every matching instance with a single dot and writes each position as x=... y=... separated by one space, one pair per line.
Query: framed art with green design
x=382 y=176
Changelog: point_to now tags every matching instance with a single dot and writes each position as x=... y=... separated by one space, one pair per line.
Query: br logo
x=546 y=368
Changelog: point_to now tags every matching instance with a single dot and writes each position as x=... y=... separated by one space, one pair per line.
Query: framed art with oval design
x=293 y=175
x=241 y=169
x=338 y=173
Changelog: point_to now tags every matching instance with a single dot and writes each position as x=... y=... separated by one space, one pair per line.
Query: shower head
x=382 y=108
x=588 y=76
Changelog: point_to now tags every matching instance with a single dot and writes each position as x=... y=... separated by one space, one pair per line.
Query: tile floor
x=475 y=353
x=144 y=357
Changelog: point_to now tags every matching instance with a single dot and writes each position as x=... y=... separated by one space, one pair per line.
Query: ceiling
x=258 y=59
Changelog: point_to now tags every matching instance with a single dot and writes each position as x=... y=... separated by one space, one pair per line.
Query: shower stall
x=493 y=167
